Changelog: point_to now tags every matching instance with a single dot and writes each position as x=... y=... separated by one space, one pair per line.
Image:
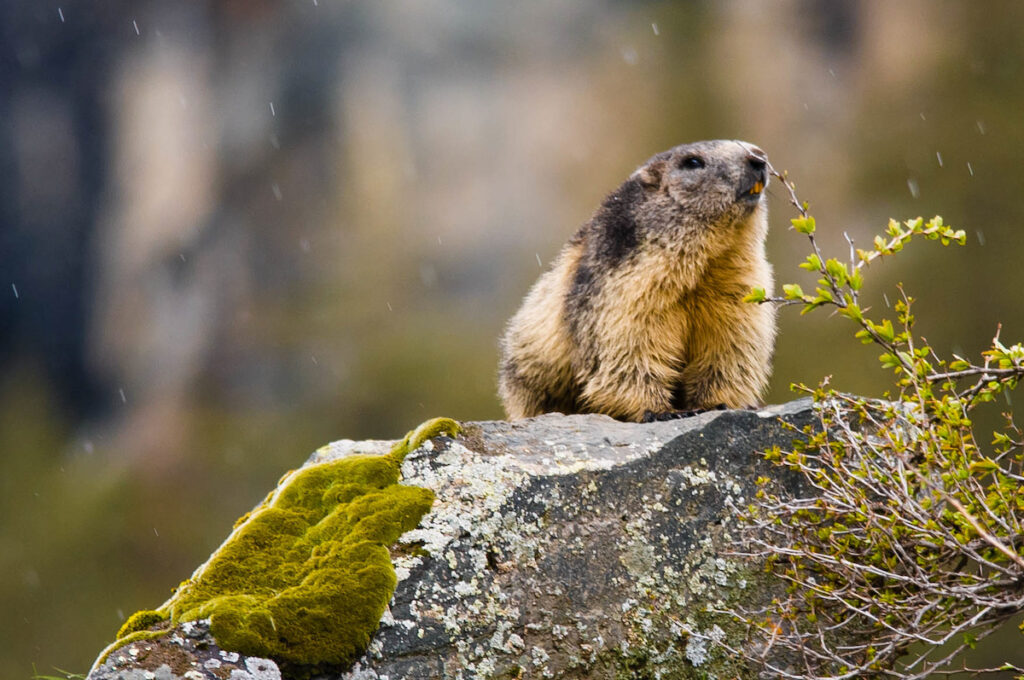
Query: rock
x=189 y=652
x=562 y=546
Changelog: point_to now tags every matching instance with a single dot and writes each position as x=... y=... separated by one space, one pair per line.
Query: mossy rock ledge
x=556 y=547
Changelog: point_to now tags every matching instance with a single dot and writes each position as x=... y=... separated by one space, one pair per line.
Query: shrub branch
x=910 y=547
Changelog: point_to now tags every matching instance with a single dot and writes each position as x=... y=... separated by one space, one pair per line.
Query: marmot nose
x=755 y=177
x=754 y=153
x=758 y=164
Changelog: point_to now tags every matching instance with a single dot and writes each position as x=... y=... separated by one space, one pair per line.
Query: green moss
x=142 y=625
x=139 y=621
x=306 y=577
x=635 y=666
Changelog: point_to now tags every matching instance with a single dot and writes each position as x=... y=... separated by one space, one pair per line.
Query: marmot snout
x=642 y=311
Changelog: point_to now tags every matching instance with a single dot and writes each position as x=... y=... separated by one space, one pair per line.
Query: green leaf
x=836 y=270
x=804 y=225
x=984 y=465
x=813 y=263
x=810 y=306
x=852 y=311
x=1001 y=439
x=884 y=330
x=889 y=360
x=793 y=291
x=756 y=294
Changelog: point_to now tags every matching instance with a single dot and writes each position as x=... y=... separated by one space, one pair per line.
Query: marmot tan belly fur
x=642 y=312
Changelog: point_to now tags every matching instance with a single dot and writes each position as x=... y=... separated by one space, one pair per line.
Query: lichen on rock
x=577 y=547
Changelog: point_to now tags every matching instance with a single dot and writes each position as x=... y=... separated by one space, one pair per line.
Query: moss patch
x=306 y=577
x=140 y=621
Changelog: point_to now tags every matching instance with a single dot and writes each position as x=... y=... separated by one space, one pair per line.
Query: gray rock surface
x=188 y=653
x=565 y=546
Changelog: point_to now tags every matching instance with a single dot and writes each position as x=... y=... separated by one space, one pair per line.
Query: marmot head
x=709 y=185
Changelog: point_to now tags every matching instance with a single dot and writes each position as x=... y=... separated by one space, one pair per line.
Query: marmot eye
x=692 y=163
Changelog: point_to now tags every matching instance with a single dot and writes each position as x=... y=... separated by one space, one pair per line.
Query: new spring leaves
x=840 y=282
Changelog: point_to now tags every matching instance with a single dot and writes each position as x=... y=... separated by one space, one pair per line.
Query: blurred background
x=234 y=230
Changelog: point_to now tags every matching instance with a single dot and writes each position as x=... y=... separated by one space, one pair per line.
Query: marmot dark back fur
x=642 y=311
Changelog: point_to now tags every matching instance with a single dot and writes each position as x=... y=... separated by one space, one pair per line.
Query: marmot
x=642 y=313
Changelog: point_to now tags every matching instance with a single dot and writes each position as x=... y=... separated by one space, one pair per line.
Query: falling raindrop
x=539 y=263
x=15 y=289
x=938 y=156
x=981 y=237
x=272 y=112
x=970 y=169
x=155 y=531
x=136 y=25
x=915 y=190
x=654 y=27
x=390 y=309
x=922 y=116
x=61 y=13
x=124 y=399
x=981 y=127
x=277 y=191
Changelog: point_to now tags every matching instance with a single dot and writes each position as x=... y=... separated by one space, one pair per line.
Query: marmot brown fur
x=642 y=312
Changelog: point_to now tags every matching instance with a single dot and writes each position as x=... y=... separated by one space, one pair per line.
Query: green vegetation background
x=309 y=221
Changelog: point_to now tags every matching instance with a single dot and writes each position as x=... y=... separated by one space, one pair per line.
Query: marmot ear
x=650 y=175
